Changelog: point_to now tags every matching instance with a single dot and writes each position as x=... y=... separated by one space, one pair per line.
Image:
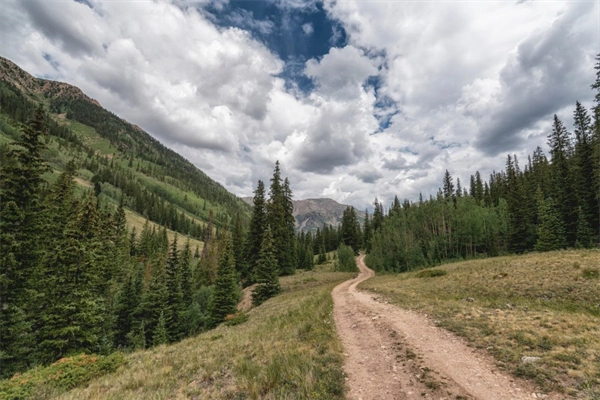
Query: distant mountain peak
x=312 y=214
x=23 y=80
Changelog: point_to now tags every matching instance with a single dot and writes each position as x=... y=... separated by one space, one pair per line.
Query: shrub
x=345 y=259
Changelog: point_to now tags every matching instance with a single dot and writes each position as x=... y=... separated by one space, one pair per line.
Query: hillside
x=287 y=348
x=312 y=214
x=117 y=158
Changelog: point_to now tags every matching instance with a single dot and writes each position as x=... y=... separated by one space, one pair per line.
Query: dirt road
x=393 y=353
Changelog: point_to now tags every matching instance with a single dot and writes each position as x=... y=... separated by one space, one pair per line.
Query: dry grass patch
x=287 y=349
x=539 y=305
x=136 y=221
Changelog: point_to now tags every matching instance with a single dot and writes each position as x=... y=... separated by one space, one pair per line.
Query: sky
x=356 y=99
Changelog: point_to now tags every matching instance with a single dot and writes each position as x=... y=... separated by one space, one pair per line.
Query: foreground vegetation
x=544 y=305
x=287 y=348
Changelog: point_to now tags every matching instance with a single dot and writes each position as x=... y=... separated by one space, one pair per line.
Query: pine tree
x=582 y=171
x=226 y=295
x=154 y=300
x=70 y=310
x=448 y=186
x=586 y=237
x=185 y=270
x=175 y=305
x=377 y=220
x=279 y=211
x=563 y=193
x=238 y=245
x=267 y=274
x=161 y=335
x=258 y=225
x=309 y=258
x=290 y=222
x=367 y=233
x=551 y=234
x=350 y=229
x=126 y=303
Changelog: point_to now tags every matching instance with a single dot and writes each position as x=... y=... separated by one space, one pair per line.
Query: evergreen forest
x=547 y=202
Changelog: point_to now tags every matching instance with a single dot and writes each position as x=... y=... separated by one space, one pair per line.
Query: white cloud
x=454 y=71
x=307 y=28
x=341 y=72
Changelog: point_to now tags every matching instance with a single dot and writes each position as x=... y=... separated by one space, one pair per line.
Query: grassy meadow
x=544 y=305
x=286 y=349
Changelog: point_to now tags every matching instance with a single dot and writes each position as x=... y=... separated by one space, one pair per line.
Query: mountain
x=311 y=214
x=116 y=158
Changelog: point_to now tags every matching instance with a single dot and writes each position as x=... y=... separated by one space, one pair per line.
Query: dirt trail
x=393 y=353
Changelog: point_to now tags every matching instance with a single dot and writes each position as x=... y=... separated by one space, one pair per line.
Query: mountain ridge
x=311 y=214
x=80 y=127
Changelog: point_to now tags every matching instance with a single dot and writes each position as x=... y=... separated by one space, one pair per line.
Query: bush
x=345 y=259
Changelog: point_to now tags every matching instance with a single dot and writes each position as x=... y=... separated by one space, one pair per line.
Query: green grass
x=542 y=304
x=287 y=349
x=59 y=377
x=91 y=138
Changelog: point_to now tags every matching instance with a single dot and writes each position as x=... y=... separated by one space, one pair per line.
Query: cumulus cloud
x=545 y=74
x=341 y=72
x=417 y=87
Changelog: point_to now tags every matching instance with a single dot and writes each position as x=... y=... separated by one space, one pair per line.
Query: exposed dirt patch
x=245 y=303
x=397 y=354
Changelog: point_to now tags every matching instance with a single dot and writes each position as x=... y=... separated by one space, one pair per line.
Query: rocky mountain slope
x=311 y=214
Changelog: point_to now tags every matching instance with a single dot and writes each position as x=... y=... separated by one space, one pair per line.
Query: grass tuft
x=590 y=273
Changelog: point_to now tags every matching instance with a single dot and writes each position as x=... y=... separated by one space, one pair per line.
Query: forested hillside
x=76 y=276
x=109 y=239
x=117 y=158
x=545 y=203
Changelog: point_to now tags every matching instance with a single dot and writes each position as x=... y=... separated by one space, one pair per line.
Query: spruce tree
x=161 y=335
x=448 y=186
x=551 y=234
x=185 y=271
x=153 y=301
x=267 y=274
x=225 y=297
x=70 y=309
x=126 y=303
x=350 y=230
x=563 y=193
x=175 y=305
x=258 y=225
x=583 y=169
x=586 y=236
x=279 y=217
x=367 y=233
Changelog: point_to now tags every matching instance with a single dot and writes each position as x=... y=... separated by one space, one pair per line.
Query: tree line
x=548 y=204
